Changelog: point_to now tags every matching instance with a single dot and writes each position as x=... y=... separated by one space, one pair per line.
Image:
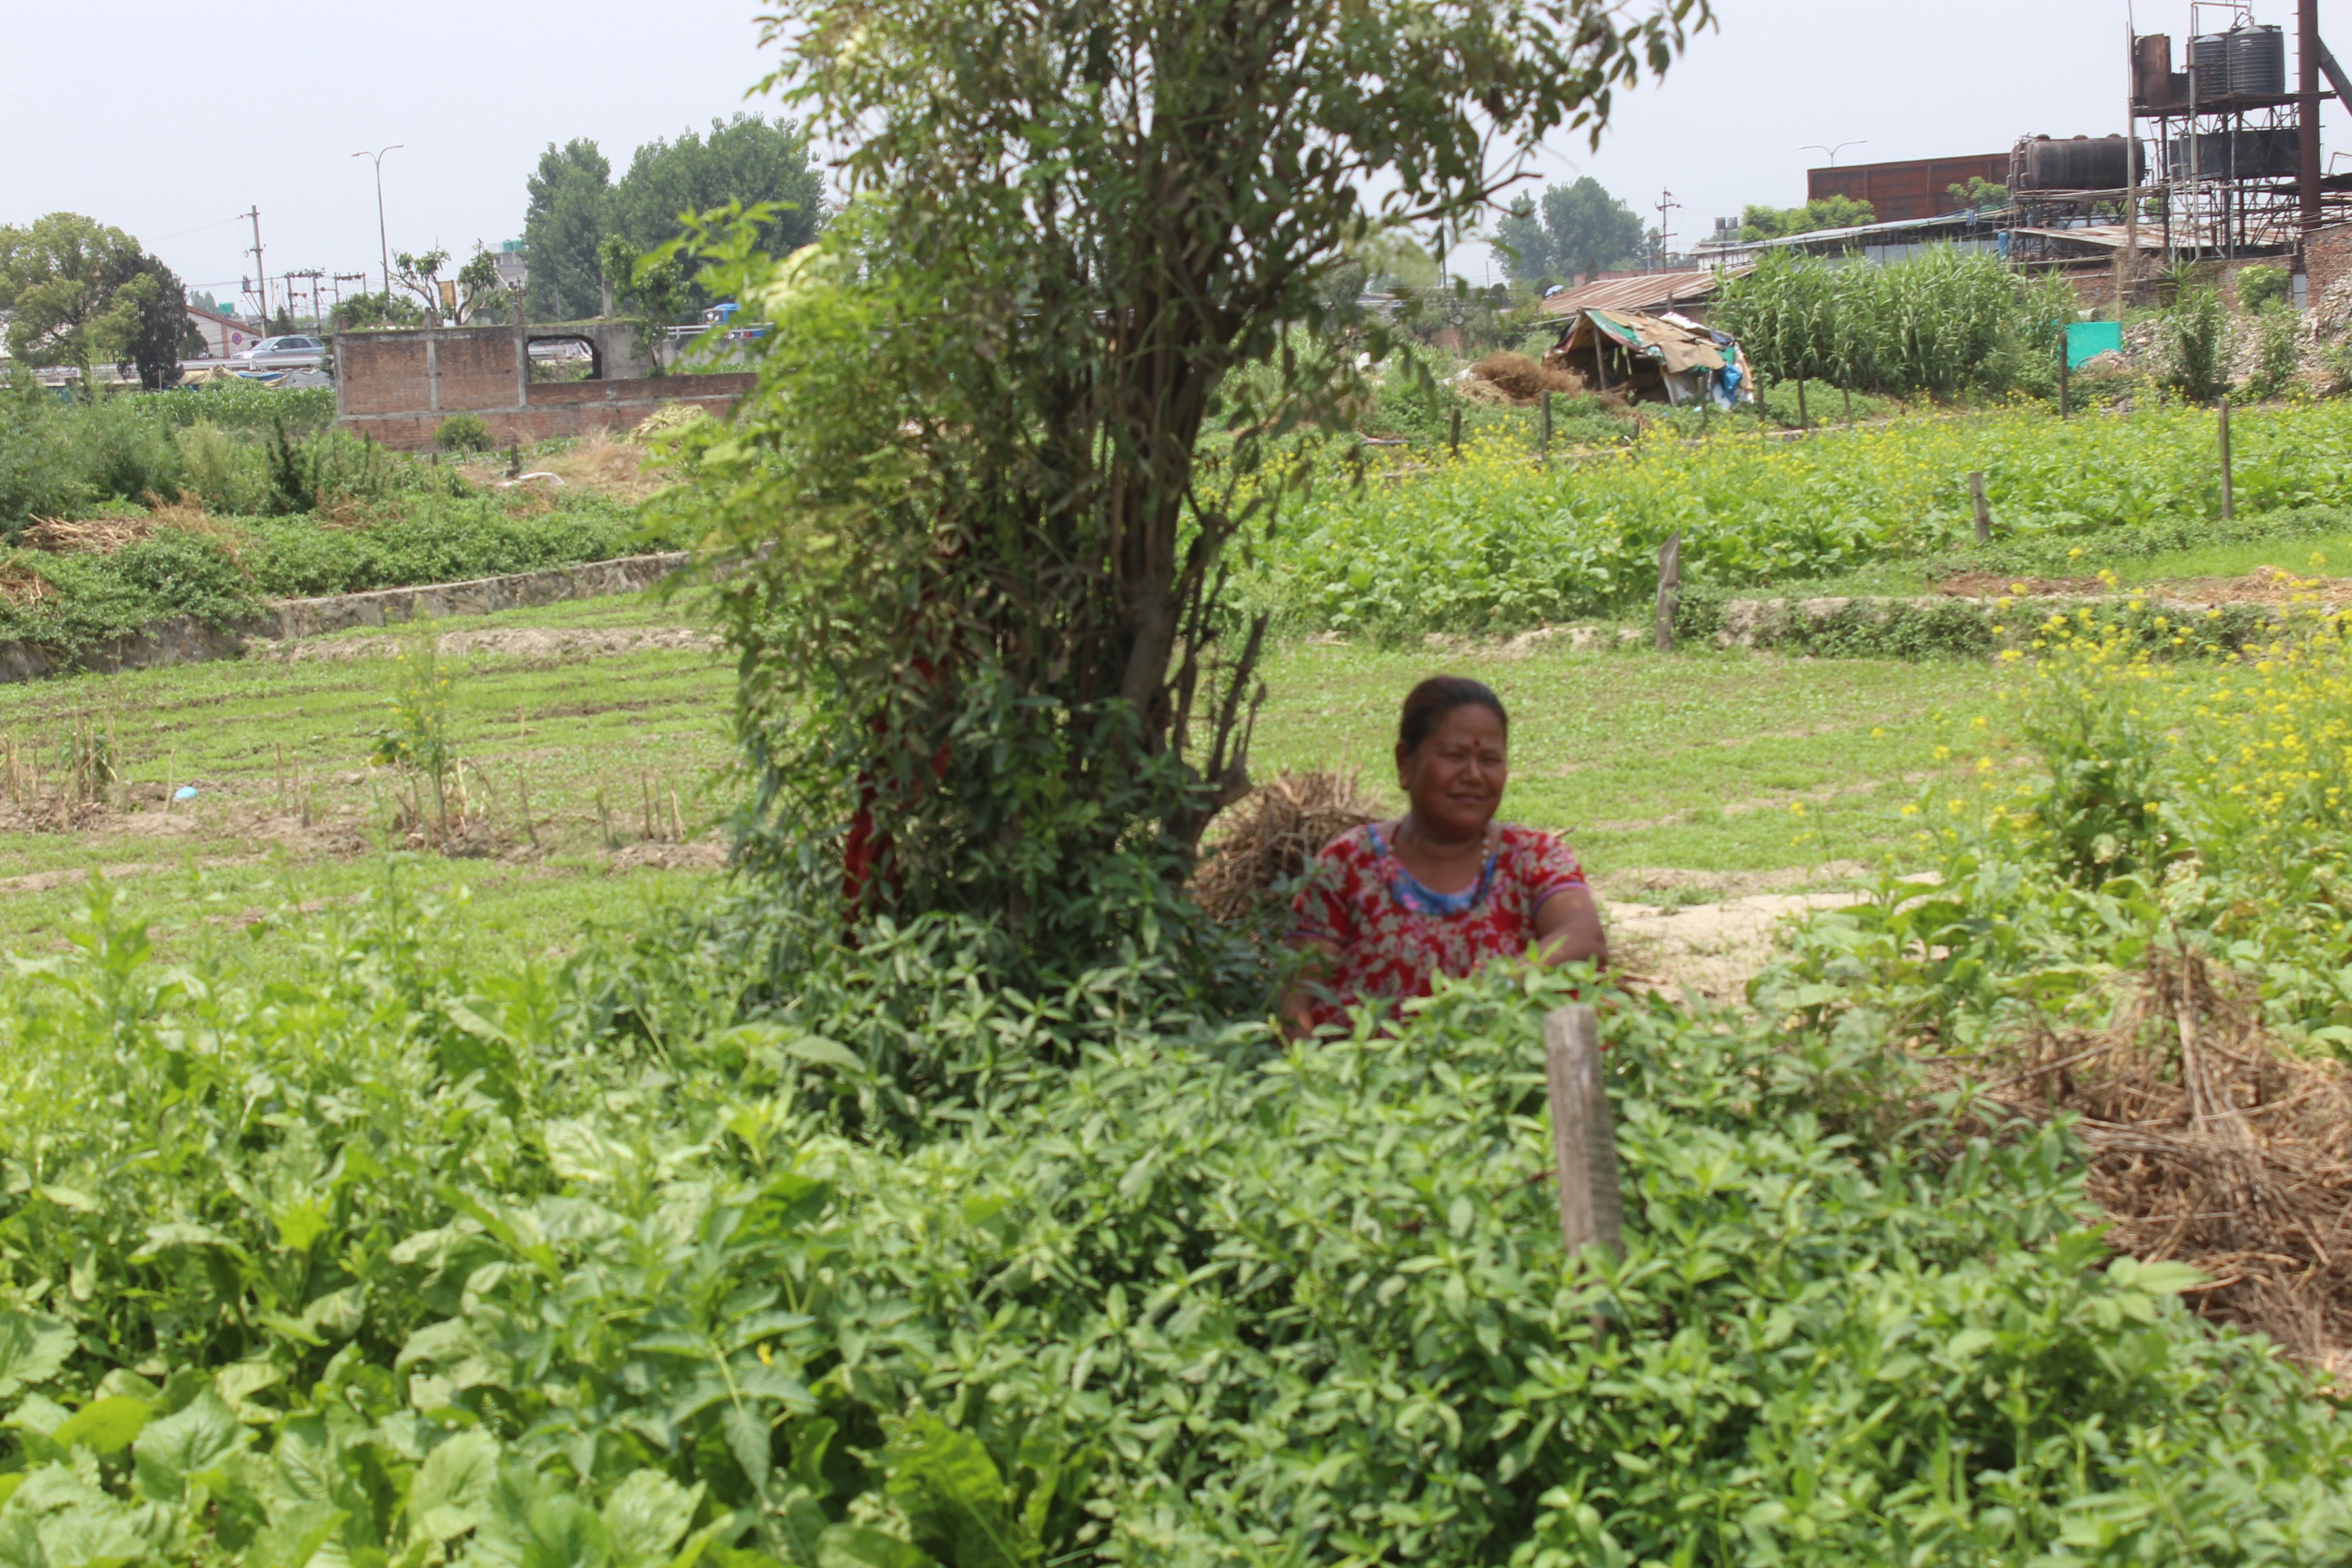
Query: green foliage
x=1778 y=223
x=463 y=433
x=1572 y=230
x=562 y=226
x=1496 y=544
x=2132 y=798
x=2194 y=337
x=415 y=1260
x=2261 y=287
x=1931 y=324
x=972 y=560
x=2278 y=351
x=415 y=736
x=1979 y=192
x=81 y=293
x=365 y=313
x=220 y=578
x=745 y=160
x=576 y=211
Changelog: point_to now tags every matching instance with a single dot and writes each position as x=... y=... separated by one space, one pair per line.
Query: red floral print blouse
x=1395 y=936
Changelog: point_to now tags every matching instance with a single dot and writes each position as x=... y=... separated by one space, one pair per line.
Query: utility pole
x=383 y=244
x=2127 y=258
x=1666 y=204
x=260 y=273
x=2306 y=19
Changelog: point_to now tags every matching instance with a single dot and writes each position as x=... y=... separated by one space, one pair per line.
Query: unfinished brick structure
x=397 y=387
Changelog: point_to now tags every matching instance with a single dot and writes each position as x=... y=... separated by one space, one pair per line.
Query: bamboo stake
x=523 y=793
x=1454 y=441
x=677 y=817
x=605 y=820
x=1983 y=508
x=1545 y=442
x=1583 y=1140
x=2228 y=495
x=1670 y=586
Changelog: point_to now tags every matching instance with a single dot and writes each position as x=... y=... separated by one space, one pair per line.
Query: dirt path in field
x=2269 y=585
x=1713 y=950
x=561 y=645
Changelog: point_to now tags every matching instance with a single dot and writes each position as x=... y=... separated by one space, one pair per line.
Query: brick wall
x=561 y=410
x=2327 y=257
x=477 y=373
x=382 y=373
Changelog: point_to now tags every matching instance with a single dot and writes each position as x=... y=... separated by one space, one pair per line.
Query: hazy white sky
x=167 y=117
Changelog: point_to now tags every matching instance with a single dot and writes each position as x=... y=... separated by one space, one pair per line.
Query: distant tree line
x=583 y=231
x=1569 y=232
x=79 y=292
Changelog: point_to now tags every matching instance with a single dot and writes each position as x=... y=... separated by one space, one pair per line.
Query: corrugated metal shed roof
x=2106 y=235
x=1647 y=294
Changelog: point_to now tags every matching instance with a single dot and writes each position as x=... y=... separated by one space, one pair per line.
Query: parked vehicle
x=289 y=352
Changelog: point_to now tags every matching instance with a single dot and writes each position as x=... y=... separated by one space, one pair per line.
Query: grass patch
x=1695 y=762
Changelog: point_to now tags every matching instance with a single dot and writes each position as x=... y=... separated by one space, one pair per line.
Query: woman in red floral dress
x=1444 y=887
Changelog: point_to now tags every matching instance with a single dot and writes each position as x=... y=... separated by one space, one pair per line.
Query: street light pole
x=1833 y=151
x=383 y=244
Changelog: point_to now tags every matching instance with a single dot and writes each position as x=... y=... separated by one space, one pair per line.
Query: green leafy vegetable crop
x=637 y=1262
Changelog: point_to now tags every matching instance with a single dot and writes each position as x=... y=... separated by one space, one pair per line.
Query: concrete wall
x=398 y=387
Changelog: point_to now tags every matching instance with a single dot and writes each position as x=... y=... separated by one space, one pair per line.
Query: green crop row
x=397 y=1261
x=1495 y=543
x=220 y=572
x=60 y=456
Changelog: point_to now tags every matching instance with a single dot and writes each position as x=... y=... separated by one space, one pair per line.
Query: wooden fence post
x=1984 y=509
x=1670 y=590
x=1546 y=438
x=1583 y=1138
x=1454 y=440
x=2228 y=497
x=2065 y=375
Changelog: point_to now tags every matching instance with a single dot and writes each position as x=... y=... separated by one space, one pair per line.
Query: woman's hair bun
x=1426 y=706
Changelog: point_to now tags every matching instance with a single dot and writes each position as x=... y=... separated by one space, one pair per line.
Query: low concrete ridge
x=183 y=640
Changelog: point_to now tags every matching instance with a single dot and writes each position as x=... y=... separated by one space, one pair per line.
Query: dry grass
x=1521 y=379
x=607 y=464
x=105 y=535
x=1265 y=840
x=2212 y=1145
x=21 y=586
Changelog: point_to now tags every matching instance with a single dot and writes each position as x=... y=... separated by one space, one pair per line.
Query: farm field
x=1674 y=777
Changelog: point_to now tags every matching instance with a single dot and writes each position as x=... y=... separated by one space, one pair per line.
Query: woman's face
x=1455 y=778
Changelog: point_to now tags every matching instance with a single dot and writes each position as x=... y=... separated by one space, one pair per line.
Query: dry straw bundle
x=1267 y=838
x=2212 y=1145
x=1521 y=378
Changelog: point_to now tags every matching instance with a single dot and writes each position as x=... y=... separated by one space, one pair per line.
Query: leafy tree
x=1577 y=228
x=571 y=199
x=652 y=285
x=83 y=293
x=1979 y=192
x=976 y=550
x=747 y=160
x=476 y=285
x=1779 y=223
x=362 y=312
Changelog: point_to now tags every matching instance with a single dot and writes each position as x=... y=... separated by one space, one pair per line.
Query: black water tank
x=2255 y=154
x=2257 y=62
x=2083 y=163
x=2208 y=66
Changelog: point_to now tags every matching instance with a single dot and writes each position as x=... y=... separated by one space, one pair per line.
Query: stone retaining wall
x=184 y=640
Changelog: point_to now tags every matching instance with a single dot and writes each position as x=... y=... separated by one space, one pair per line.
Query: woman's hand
x=1314 y=967
x=1568 y=928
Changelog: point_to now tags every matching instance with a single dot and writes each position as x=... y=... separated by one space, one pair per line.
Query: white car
x=293 y=352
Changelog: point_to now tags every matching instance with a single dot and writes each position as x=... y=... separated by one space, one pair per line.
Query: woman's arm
x=1314 y=968
x=1568 y=928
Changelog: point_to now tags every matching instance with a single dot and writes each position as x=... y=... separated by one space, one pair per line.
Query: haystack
x=2212 y=1145
x=1264 y=842
x=1521 y=378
